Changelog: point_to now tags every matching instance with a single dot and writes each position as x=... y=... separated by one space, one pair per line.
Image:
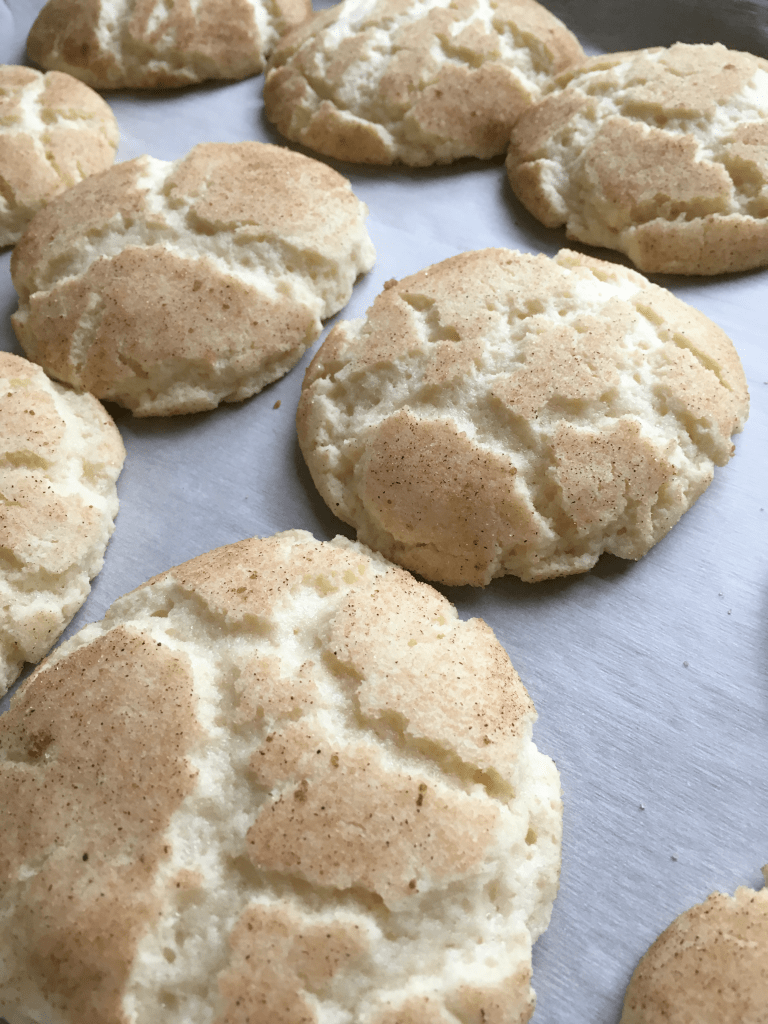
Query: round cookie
x=709 y=967
x=306 y=791
x=661 y=154
x=60 y=456
x=138 y=44
x=54 y=131
x=414 y=81
x=501 y=413
x=171 y=287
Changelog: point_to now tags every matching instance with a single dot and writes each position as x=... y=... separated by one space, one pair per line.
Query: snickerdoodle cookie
x=60 y=456
x=414 y=81
x=139 y=44
x=661 y=154
x=171 y=287
x=505 y=413
x=709 y=967
x=54 y=131
x=282 y=782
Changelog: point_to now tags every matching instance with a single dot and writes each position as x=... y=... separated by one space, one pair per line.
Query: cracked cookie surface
x=54 y=131
x=501 y=413
x=306 y=792
x=709 y=964
x=60 y=456
x=144 y=44
x=661 y=154
x=171 y=287
x=414 y=81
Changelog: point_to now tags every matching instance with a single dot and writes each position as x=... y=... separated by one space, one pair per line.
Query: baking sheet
x=649 y=677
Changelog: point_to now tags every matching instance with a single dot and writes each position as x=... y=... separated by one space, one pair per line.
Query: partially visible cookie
x=661 y=154
x=171 y=287
x=414 y=81
x=54 y=131
x=60 y=456
x=709 y=967
x=501 y=413
x=283 y=782
x=121 y=44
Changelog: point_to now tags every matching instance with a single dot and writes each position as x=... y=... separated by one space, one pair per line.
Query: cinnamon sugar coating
x=660 y=153
x=60 y=456
x=133 y=44
x=54 y=131
x=500 y=413
x=414 y=81
x=282 y=781
x=171 y=287
x=708 y=965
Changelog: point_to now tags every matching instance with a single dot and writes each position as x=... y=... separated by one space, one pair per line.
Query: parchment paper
x=649 y=677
